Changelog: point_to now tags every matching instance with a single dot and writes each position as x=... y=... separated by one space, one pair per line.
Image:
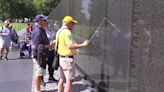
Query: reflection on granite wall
x=127 y=51
x=146 y=66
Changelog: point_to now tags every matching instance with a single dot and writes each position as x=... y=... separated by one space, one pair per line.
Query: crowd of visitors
x=41 y=44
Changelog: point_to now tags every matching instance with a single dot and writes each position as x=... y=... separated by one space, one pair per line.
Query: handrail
x=102 y=22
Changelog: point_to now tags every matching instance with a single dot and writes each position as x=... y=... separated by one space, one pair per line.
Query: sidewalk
x=15 y=73
x=79 y=85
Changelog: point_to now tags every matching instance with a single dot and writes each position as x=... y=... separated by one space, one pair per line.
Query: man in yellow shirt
x=67 y=48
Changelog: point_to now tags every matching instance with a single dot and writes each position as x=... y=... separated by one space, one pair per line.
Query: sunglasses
x=43 y=20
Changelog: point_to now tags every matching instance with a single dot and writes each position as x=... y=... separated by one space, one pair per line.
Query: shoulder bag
x=55 y=63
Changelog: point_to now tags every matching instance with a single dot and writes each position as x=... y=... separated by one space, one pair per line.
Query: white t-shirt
x=50 y=36
x=5 y=38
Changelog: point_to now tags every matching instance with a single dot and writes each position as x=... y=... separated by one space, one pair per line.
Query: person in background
x=67 y=48
x=29 y=28
x=13 y=36
x=51 y=53
x=25 y=44
x=5 y=39
x=40 y=48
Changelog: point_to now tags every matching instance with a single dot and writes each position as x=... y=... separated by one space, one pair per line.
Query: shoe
x=22 y=54
x=0 y=57
x=52 y=79
x=21 y=57
x=6 y=58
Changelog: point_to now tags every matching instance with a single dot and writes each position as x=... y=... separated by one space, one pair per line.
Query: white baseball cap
x=7 y=21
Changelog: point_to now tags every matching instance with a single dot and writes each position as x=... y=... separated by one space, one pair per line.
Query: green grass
x=17 y=26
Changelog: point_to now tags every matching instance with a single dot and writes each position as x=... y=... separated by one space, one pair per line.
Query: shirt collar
x=65 y=27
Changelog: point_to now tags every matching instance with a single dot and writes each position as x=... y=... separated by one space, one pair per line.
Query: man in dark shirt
x=40 y=46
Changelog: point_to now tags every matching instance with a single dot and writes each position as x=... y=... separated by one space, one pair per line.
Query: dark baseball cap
x=40 y=17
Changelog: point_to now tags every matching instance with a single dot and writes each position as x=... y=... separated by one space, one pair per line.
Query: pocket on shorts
x=67 y=63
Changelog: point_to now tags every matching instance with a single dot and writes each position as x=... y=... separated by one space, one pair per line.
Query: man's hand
x=85 y=43
x=77 y=46
x=51 y=45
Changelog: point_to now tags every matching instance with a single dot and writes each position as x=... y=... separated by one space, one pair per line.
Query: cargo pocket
x=66 y=63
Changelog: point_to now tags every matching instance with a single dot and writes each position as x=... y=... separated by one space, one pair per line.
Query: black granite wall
x=126 y=53
x=146 y=56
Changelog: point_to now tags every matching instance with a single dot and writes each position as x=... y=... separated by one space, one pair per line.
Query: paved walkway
x=16 y=75
x=79 y=85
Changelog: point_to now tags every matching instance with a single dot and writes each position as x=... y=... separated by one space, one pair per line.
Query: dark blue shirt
x=39 y=36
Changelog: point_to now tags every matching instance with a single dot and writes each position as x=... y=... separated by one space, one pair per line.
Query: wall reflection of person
x=14 y=36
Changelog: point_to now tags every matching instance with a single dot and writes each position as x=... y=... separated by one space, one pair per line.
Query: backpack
x=1 y=29
x=13 y=35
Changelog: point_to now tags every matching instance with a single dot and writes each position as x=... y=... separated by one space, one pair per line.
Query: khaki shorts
x=5 y=44
x=67 y=68
x=38 y=70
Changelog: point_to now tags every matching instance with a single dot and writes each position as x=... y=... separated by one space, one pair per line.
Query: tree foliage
x=45 y=6
x=17 y=9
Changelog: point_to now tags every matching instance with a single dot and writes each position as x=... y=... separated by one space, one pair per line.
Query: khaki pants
x=67 y=67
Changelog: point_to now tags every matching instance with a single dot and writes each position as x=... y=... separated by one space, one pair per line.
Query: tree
x=44 y=6
x=25 y=8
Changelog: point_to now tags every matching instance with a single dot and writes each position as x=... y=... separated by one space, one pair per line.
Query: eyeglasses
x=43 y=20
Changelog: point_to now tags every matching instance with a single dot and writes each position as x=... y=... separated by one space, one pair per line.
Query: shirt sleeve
x=68 y=38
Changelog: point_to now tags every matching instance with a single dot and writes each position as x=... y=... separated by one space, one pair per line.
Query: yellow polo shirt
x=65 y=39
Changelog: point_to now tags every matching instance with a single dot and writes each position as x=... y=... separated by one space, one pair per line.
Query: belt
x=67 y=56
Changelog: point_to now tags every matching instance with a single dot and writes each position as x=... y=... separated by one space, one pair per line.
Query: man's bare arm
x=4 y=34
x=77 y=46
